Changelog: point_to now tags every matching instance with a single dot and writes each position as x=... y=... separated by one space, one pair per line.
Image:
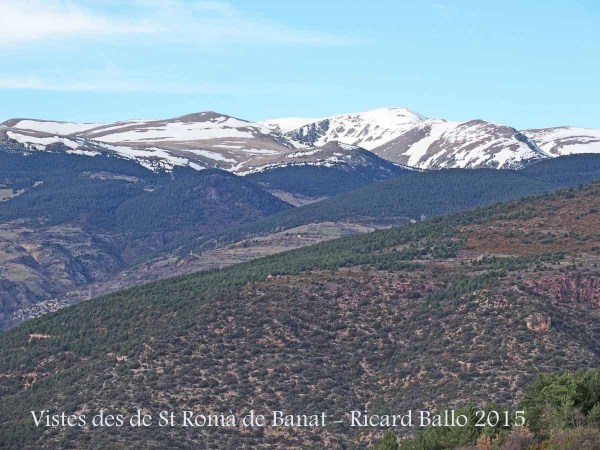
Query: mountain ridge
x=213 y=140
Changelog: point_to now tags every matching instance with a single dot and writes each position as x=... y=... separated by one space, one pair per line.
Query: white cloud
x=114 y=82
x=40 y=20
x=48 y=30
x=192 y=22
x=105 y=84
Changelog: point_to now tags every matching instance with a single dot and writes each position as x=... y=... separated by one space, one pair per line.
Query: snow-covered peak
x=199 y=140
x=210 y=139
x=368 y=129
x=437 y=143
x=191 y=127
x=388 y=117
x=287 y=124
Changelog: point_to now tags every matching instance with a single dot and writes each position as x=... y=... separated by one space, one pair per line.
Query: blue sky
x=523 y=63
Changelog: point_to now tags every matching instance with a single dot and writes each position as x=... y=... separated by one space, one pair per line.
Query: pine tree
x=387 y=442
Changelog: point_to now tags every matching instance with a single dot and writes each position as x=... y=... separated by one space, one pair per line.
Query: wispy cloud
x=193 y=22
x=82 y=46
x=113 y=82
x=104 y=83
x=40 y=20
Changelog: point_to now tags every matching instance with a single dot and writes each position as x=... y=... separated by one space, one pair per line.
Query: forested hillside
x=465 y=308
x=395 y=201
x=74 y=225
x=67 y=221
x=116 y=195
x=346 y=172
x=565 y=171
x=416 y=194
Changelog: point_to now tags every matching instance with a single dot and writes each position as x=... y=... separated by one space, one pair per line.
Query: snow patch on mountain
x=566 y=140
x=152 y=158
x=210 y=155
x=418 y=150
x=40 y=143
x=51 y=127
x=179 y=131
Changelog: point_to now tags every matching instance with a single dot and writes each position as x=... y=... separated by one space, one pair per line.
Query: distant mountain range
x=212 y=140
x=101 y=207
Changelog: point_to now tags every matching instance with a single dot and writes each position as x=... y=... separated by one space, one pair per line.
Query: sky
x=525 y=63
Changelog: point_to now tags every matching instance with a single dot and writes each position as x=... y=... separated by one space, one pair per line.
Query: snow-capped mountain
x=405 y=137
x=368 y=130
x=437 y=144
x=200 y=140
x=565 y=140
x=209 y=139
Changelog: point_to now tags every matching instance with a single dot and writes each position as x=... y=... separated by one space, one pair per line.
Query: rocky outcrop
x=538 y=322
x=570 y=287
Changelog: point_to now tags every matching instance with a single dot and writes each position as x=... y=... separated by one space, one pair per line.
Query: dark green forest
x=431 y=193
x=110 y=194
x=562 y=412
x=396 y=201
x=321 y=181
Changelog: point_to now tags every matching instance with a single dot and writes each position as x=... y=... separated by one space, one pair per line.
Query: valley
x=81 y=220
x=84 y=226
x=171 y=264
